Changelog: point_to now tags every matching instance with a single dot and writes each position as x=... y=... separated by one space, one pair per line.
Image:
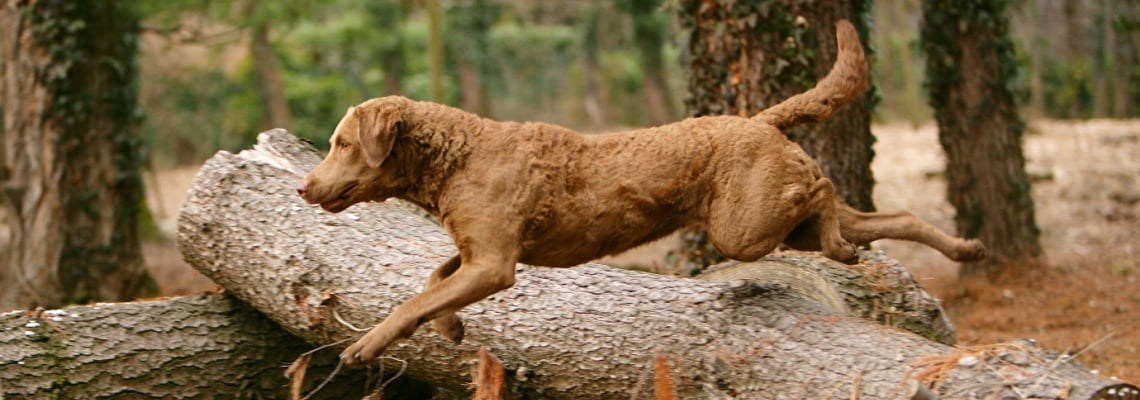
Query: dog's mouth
x=341 y=202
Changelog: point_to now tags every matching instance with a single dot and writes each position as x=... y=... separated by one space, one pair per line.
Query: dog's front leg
x=447 y=324
x=475 y=280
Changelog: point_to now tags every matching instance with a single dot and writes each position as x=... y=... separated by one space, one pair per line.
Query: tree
x=267 y=72
x=435 y=48
x=388 y=15
x=257 y=18
x=650 y=29
x=71 y=156
x=971 y=72
x=746 y=56
x=469 y=24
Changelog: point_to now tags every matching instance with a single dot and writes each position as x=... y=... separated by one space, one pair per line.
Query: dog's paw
x=970 y=250
x=843 y=252
x=369 y=347
x=449 y=326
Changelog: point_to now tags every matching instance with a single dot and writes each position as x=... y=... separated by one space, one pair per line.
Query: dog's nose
x=303 y=189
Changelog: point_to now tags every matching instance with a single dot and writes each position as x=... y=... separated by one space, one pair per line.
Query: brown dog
x=539 y=194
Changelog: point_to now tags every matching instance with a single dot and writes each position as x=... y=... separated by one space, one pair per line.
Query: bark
x=71 y=184
x=878 y=289
x=970 y=67
x=208 y=346
x=584 y=332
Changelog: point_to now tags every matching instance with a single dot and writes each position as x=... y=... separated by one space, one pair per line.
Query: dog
x=540 y=194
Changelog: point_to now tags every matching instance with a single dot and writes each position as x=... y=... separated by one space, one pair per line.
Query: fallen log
x=586 y=332
x=208 y=346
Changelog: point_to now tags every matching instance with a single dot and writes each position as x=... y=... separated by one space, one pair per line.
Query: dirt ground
x=1087 y=195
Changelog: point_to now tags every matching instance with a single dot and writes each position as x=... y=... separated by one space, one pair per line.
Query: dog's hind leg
x=448 y=324
x=821 y=203
x=823 y=225
x=747 y=227
x=865 y=227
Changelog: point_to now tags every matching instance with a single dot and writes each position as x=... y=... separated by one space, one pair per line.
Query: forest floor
x=1087 y=194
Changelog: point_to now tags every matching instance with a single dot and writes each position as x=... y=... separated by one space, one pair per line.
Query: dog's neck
x=431 y=150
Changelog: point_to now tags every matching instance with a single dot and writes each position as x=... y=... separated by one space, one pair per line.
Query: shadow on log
x=586 y=332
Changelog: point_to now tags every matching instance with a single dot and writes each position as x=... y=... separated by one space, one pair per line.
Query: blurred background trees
x=70 y=164
x=592 y=65
x=214 y=73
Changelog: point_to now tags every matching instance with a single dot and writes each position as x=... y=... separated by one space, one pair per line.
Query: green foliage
x=337 y=54
x=533 y=60
x=417 y=84
x=625 y=75
x=1067 y=87
x=220 y=115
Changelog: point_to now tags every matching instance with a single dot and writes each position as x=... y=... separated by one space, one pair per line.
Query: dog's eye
x=342 y=145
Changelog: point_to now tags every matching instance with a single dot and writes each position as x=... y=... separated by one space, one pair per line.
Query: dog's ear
x=378 y=127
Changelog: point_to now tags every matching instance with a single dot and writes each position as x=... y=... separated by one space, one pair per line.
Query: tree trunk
x=270 y=90
x=435 y=49
x=71 y=183
x=393 y=67
x=468 y=44
x=1101 y=55
x=584 y=332
x=1127 y=53
x=970 y=67
x=1036 y=59
x=388 y=17
x=649 y=31
x=594 y=93
x=747 y=56
x=208 y=346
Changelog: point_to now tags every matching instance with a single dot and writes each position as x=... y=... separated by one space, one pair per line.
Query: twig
x=636 y=392
x=1061 y=357
x=338 y=318
x=663 y=387
x=338 y=342
x=403 y=367
x=339 y=364
x=1093 y=344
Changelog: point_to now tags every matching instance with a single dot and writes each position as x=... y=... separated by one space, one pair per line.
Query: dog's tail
x=847 y=79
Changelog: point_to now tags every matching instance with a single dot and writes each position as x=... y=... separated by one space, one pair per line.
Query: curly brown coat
x=510 y=192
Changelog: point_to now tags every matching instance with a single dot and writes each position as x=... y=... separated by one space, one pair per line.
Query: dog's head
x=359 y=167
